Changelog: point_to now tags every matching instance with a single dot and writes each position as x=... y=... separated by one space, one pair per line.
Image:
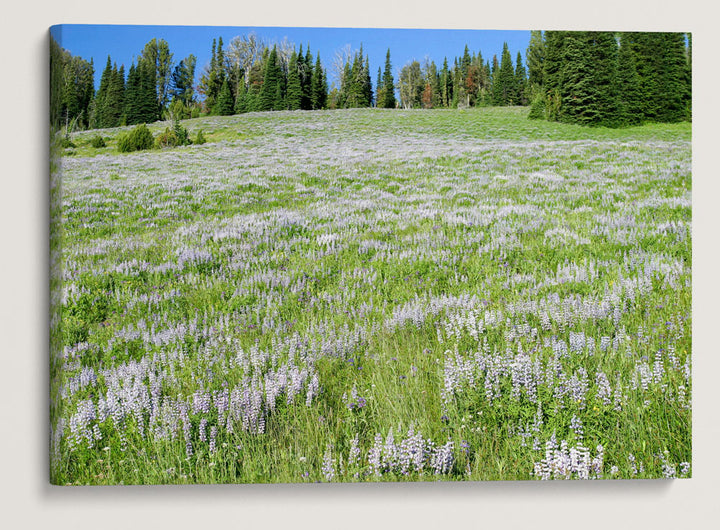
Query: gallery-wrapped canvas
x=364 y=255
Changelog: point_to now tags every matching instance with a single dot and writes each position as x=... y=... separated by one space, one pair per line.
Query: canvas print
x=305 y=255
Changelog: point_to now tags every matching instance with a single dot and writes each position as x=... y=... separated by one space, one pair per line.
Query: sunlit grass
x=376 y=295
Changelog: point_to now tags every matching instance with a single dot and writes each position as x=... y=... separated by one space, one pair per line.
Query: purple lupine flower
x=328 y=466
x=577 y=427
x=213 y=439
x=201 y=430
x=375 y=455
x=442 y=459
x=354 y=456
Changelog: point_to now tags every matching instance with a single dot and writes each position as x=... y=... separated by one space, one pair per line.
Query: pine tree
x=675 y=87
x=305 y=69
x=148 y=107
x=521 y=89
x=319 y=86
x=241 y=104
x=212 y=80
x=225 y=106
x=157 y=53
x=628 y=86
x=132 y=94
x=589 y=78
x=367 y=91
x=388 y=101
x=535 y=59
x=182 y=80
x=270 y=85
x=504 y=90
x=101 y=95
x=378 y=88
x=445 y=85
x=294 y=88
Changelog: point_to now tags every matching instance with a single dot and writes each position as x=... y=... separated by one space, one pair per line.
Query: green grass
x=470 y=276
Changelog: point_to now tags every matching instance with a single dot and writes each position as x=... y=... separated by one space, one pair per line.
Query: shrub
x=537 y=107
x=200 y=138
x=67 y=143
x=136 y=140
x=181 y=133
x=97 y=142
x=166 y=139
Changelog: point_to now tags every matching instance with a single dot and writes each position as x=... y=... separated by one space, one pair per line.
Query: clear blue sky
x=125 y=43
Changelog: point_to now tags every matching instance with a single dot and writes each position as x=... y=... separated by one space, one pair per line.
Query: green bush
x=166 y=139
x=136 y=140
x=97 y=142
x=67 y=143
x=200 y=138
x=537 y=107
x=181 y=133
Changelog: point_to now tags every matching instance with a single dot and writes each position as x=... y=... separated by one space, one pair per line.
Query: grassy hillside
x=376 y=295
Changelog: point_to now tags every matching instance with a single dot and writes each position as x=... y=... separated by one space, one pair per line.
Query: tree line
x=591 y=78
x=610 y=79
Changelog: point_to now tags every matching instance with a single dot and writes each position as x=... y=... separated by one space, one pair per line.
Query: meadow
x=374 y=295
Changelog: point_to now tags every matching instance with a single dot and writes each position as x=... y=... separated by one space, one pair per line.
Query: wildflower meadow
x=373 y=295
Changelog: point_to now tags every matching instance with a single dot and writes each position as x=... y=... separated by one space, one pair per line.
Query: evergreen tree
x=445 y=85
x=147 y=102
x=270 y=90
x=675 y=92
x=294 y=88
x=305 y=70
x=225 y=106
x=182 y=80
x=319 y=86
x=535 y=59
x=388 y=101
x=241 y=103
x=212 y=79
x=115 y=104
x=157 y=53
x=504 y=90
x=588 y=78
x=628 y=86
x=101 y=95
x=132 y=94
x=367 y=84
x=521 y=89
x=378 y=88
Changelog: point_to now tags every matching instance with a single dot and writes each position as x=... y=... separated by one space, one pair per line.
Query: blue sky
x=125 y=43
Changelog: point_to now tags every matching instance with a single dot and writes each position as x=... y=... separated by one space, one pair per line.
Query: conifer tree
x=521 y=93
x=148 y=107
x=101 y=95
x=305 y=69
x=241 y=104
x=388 y=101
x=319 y=86
x=445 y=85
x=294 y=88
x=378 y=88
x=367 y=84
x=157 y=53
x=132 y=91
x=225 y=106
x=535 y=59
x=504 y=90
x=182 y=80
x=628 y=86
x=674 y=83
x=271 y=83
